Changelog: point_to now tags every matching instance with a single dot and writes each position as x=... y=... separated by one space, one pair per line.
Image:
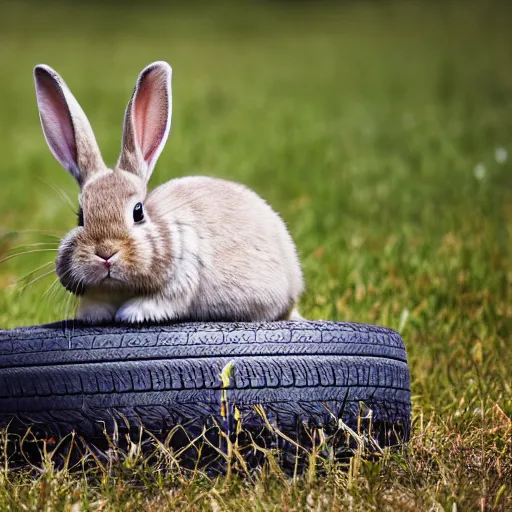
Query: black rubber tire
x=66 y=377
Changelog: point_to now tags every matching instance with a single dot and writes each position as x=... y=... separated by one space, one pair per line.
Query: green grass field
x=382 y=132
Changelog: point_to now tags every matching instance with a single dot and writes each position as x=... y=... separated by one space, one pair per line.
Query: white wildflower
x=479 y=171
x=501 y=155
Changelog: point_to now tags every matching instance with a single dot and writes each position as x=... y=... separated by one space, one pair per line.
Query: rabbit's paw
x=141 y=310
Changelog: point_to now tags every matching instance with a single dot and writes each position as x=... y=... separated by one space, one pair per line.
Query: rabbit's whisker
x=32 y=272
x=36 y=244
x=25 y=286
x=27 y=252
x=52 y=288
x=60 y=192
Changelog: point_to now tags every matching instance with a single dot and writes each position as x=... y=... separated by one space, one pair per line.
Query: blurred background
x=381 y=131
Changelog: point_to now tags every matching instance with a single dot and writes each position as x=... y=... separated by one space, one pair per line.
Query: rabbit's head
x=121 y=243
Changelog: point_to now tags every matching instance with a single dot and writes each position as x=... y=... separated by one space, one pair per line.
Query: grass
x=380 y=131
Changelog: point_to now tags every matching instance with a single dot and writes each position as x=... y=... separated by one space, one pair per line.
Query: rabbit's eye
x=138 y=213
x=80 y=215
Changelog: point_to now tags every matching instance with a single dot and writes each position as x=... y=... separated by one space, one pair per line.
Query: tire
x=67 y=377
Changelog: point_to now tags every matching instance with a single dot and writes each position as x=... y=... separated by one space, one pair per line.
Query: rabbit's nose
x=106 y=256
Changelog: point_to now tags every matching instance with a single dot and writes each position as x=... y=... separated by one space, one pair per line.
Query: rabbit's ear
x=66 y=128
x=147 y=121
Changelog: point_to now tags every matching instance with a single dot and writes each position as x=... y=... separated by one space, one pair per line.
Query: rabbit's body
x=217 y=271
x=195 y=248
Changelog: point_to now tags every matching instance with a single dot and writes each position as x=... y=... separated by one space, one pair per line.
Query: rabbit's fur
x=206 y=249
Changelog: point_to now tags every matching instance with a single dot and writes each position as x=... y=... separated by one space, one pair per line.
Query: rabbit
x=193 y=249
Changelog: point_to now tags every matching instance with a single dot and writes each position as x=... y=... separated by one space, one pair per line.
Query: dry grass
x=442 y=466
